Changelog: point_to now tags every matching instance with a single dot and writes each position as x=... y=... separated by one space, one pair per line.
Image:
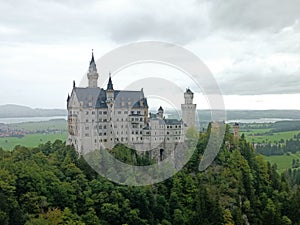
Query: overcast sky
x=251 y=47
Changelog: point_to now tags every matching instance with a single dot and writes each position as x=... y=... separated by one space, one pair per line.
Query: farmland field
x=30 y=140
x=283 y=161
x=257 y=136
x=42 y=126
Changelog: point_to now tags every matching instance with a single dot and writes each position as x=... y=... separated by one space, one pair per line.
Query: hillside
x=50 y=185
x=11 y=111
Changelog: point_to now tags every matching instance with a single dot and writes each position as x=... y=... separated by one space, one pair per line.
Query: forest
x=50 y=185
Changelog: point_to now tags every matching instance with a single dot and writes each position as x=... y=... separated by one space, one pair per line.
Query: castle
x=107 y=117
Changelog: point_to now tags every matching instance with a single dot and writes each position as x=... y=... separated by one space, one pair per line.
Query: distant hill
x=253 y=114
x=12 y=111
x=205 y=115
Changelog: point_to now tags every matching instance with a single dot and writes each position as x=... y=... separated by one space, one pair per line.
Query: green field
x=257 y=136
x=43 y=125
x=283 y=161
x=30 y=140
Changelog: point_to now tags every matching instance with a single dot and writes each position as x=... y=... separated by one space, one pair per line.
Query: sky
x=252 y=48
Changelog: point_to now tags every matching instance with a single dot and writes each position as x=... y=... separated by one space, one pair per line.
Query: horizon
x=155 y=109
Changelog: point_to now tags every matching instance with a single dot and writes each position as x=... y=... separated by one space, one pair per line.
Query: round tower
x=160 y=113
x=188 y=109
x=236 y=130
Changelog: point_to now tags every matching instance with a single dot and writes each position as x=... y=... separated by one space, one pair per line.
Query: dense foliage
x=291 y=145
x=51 y=185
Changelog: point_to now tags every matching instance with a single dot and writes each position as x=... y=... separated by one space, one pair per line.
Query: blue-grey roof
x=172 y=122
x=189 y=91
x=96 y=98
x=88 y=96
x=135 y=98
x=110 y=84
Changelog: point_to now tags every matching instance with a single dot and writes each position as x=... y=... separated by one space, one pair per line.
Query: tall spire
x=92 y=73
x=92 y=67
x=92 y=60
x=110 y=84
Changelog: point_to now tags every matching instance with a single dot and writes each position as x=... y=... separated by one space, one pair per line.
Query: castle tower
x=92 y=73
x=110 y=91
x=236 y=128
x=160 y=113
x=188 y=109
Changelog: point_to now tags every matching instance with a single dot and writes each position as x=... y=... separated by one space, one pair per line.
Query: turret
x=110 y=91
x=236 y=128
x=160 y=113
x=188 y=96
x=188 y=109
x=92 y=73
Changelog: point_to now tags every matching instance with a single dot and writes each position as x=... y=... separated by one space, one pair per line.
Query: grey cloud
x=266 y=15
x=257 y=83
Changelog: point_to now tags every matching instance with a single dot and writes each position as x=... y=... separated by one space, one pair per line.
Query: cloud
x=267 y=15
x=252 y=47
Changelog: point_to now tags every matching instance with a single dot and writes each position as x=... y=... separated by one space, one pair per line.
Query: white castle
x=99 y=117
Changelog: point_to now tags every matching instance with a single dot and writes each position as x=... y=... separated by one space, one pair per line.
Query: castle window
x=100 y=112
x=86 y=128
x=93 y=112
x=119 y=112
x=105 y=112
x=138 y=112
x=87 y=113
x=86 y=134
x=100 y=127
x=105 y=140
x=87 y=120
x=104 y=127
x=104 y=133
x=125 y=112
x=141 y=119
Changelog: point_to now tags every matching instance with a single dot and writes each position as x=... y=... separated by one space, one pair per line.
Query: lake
x=30 y=119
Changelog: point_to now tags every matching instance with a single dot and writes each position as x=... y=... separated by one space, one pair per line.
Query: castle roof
x=96 y=98
x=110 y=84
x=189 y=91
x=172 y=122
